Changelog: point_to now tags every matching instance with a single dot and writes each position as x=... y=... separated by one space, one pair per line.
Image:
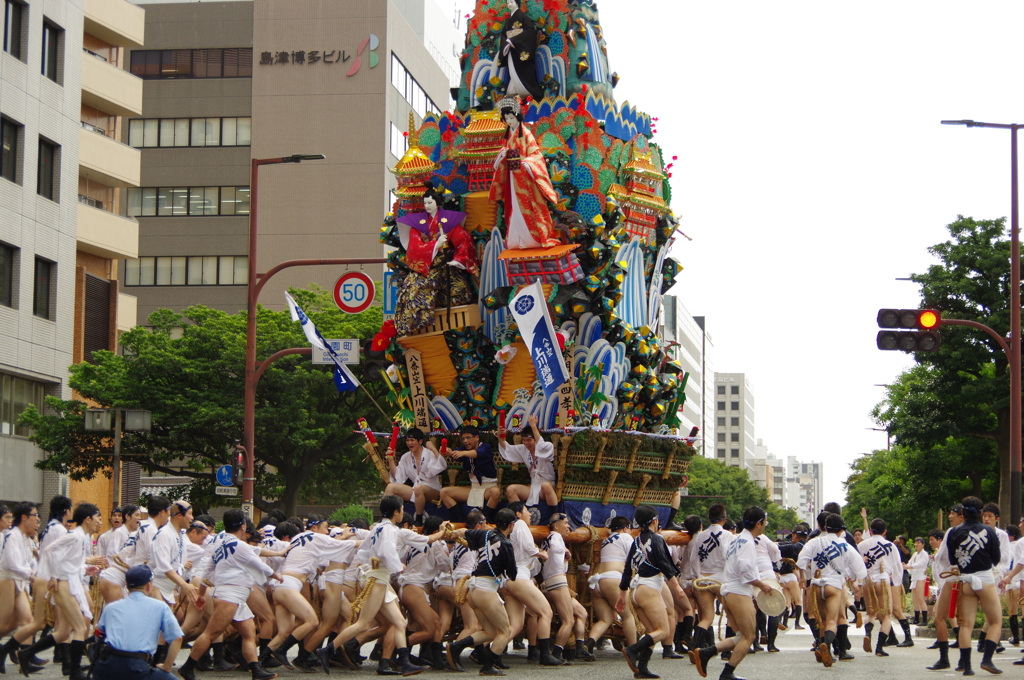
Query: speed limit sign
x=353 y=292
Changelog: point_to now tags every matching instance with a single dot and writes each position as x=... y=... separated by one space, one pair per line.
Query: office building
x=229 y=82
x=734 y=419
x=687 y=342
x=769 y=472
x=63 y=173
x=707 y=386
x=804 y=489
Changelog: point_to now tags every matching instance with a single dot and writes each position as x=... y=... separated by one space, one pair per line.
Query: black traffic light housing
x=917 y=330
x=239 y=465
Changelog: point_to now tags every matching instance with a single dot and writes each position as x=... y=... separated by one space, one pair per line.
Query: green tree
x=714 y=482
x=193 y=384
x=954 y=405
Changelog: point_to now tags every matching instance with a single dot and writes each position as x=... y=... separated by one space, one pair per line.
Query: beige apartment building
x=64 y=169
x=228 y=82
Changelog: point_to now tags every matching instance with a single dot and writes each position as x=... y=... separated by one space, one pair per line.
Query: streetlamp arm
x=980 y=326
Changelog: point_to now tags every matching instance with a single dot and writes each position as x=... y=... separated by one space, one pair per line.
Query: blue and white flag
x=530 y=311
x=343 y=378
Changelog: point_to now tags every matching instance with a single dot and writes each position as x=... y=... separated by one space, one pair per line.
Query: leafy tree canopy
x=194 y=386
x=731 y=486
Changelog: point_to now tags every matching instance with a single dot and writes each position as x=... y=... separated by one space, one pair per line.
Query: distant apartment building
x=804 y=491
x=769 y=472
x=64 y=169
x=689 y=344
x=734 y=419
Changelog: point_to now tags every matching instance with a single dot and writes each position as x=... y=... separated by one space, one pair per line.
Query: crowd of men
x=310 y=594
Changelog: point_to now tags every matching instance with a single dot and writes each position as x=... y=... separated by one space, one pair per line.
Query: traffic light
x=239 y=466
x=918 y=330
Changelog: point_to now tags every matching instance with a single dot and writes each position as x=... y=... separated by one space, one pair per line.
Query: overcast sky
x=812 y=173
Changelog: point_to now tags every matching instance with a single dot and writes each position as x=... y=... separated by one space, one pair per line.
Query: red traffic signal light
x=921 y=334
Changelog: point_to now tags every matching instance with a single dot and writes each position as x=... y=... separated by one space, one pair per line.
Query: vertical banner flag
x=530 y=311
x=343 y=378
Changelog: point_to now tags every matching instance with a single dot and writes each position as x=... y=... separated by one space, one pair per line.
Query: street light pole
x=1014 y=353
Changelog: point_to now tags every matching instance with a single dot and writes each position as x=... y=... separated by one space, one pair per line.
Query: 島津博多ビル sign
x=347 y=350
x=309 y=57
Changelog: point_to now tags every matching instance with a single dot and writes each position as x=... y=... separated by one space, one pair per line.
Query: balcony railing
x=92 y=202
x=92 y=128
x=98 y=56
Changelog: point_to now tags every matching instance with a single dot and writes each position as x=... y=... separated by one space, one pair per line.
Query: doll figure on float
x=518 y=53
x=442 y=261
x=522 y=183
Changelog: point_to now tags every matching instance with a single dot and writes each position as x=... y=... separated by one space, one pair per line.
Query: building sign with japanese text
x=309 y=57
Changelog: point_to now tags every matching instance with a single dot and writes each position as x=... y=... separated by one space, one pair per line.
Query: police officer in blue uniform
x=131 y=628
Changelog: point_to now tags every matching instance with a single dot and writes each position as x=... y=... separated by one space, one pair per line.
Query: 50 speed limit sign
x=353 y=292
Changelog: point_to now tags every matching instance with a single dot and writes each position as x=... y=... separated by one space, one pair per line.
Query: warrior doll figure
x=518 y=53
x=442 y=261
x=522 y=183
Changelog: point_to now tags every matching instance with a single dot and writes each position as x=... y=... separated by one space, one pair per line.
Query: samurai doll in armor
x=442 y=264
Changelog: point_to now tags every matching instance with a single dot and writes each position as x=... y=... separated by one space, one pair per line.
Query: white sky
x=812 y=172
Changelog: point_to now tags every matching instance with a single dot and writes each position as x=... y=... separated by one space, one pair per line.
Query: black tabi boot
x=687 y=636
x=729 y=673
x=981 y=641
x=632 y=652
x=24 y=656
x=773 y=632
x=266 y=656
x=696 y=640
x=701 y=657
x=546 y=658
x=677 y=637
x=880 y=645
x=384 y=666
x=797 y=613
x=32 y=659
x=454 y=652
x=488 y=657
x=943 y=662
x=161 y=654
x=907 y=641
x=986 y=659
x=7 y=649
x=760 y=630
x=260 y=673
x=671 y=525
x=407 y=666
x=281 y=653
x=924 y=618
x=77 y=651
x=188 y=669
x=440 y=662
x=825 y=648
x=220 y=664
x=812 y=625
x=59 y=653
x=843 y=644
x=644 y=673
x=728 y=634
x=582 y=652
x=532 y=654
x=205 y=662
x=965 y=661
x=567 y=653
x=868 y=627
x=591 y=645
x=668 y=653
x=890 y=640
x=65 y=658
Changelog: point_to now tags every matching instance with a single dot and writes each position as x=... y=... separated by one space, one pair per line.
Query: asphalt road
x=795 y=662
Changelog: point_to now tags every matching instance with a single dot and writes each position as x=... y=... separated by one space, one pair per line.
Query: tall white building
x=734 y=419
x=804 y=488
x=769 y=472
x=688 y=344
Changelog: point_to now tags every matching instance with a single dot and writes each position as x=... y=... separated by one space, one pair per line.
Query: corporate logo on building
x=304 y=57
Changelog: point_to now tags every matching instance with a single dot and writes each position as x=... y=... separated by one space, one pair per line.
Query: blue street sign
x=225 y=476
x=390 y=295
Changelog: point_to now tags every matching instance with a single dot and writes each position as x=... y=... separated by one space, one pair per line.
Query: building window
x=46 y=176
x=399 y=142
x=6 y=275
x=232 y=62
x=734 y=437
x=187 y=271
x=187 y=201
x=41 y=306
x=410 y=89
x=735 y=422
x=16 y=395
x=734 y=406
x=734 y=389
x=721 y=453
x=721 y=422
x=721 y=389
x=734 y=453
x=9 y=150
x=13 y=21
x=175 y=132
x=721 y=436
x=52 y=36
x=721 y=406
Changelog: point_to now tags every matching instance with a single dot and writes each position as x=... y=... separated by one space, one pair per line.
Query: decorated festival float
x=531 y=234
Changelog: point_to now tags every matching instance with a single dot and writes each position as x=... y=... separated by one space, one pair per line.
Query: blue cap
x=138 y=576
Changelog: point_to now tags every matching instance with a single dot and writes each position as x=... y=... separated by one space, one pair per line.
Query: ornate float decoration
x=570 y=191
